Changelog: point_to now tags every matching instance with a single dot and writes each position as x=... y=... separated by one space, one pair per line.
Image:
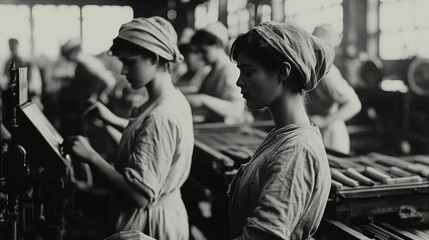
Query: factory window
x=206 y=13
x=309 y=14
x=99 y=28
x=238 y=17
x=53 y=26
x=14 y=23
x=404 y=29
x=264 y=12
x=42 y=29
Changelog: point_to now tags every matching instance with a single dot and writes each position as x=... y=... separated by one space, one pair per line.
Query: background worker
x=334 y=101
x=218 y=99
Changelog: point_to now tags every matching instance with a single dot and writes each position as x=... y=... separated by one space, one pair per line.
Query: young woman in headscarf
x=282 y=192
x=154 y=154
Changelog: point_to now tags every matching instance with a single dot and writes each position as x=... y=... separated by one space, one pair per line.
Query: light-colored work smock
x=155 y=157
x=282 y=192
x=332 y=91
x=220 y=83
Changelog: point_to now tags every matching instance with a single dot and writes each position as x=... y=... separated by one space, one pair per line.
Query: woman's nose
x=124 y=70
x=239 y=82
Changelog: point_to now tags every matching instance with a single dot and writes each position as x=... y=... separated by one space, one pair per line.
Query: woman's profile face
x=259 y=86
x=137 y=69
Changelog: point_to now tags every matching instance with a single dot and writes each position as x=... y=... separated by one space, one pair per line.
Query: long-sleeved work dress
x=282 y=192
x=155 y=157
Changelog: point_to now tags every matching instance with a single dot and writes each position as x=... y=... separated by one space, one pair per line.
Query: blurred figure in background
x=35 y=84
x=91 y=81
x=90 y=75
x=334 y=101
x=218 y=99
x=196 y=67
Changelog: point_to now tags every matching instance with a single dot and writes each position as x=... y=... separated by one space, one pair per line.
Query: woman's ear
x=284 y=71
x=155 y=59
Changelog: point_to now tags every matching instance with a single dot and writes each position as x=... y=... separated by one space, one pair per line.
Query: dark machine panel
x=34 y=174
x=41 y=139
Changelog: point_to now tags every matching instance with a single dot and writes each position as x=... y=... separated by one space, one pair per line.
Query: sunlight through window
x=14 y=23
x=309 y=14
x=53 y=26
x=101 y=25
x=404 y=29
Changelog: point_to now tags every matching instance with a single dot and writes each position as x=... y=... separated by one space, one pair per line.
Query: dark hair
x=187 y=48
x=67 y=51
x=13 y=42
x=204 y=38
x=122 y=45
x=264 y=54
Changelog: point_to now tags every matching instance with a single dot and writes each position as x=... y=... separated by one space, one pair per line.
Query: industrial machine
x=376 y=196
x=34 y=173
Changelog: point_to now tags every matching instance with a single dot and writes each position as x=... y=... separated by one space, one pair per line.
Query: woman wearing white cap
x=154 y=154
x=282 y=192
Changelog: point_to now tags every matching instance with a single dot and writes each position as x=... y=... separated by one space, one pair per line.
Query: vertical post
x=372 y=25
x=354 y=38
x=223 y=12
x=10 y=99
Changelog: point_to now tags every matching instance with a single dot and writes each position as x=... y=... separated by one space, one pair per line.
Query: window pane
x=306 y=20
x=53 y=26
x=14 y=23
x=100 y=25
x=422 y=16
x=422 y=43
x=200 y=16
x=334 y=16
x=396 y=15
x=235 y=5
x=404 y=25
x=397 y=45
x=213 y=11
x=265 y=12
x=309 y=14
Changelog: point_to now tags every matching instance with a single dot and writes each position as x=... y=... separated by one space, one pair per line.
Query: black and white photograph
x=214 y=119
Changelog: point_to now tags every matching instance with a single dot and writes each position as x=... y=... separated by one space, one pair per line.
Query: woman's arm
x=79 y=149
x=346 y=110
x=115 y=134
x=100 y=111
x=341 y=93
x=225 y=108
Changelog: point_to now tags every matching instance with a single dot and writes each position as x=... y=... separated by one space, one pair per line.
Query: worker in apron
x=155 y=149
x=334 y=101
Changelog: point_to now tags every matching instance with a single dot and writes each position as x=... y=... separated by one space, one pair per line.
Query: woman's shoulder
x=305 y=143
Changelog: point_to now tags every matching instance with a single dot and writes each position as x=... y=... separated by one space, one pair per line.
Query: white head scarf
x=154 y=34
x=311 y=56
